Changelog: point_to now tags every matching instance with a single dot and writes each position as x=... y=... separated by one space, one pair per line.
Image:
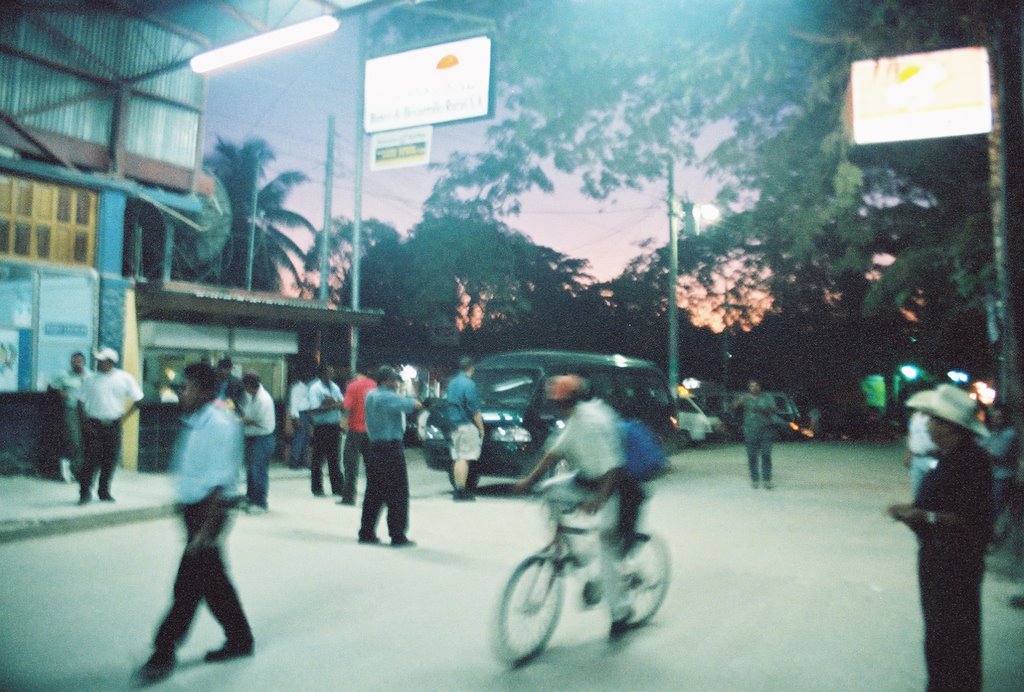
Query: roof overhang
x=198 y=304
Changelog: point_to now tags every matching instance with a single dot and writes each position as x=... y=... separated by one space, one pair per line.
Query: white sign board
x=426 y=86
x=400 y=148
x=919 y=96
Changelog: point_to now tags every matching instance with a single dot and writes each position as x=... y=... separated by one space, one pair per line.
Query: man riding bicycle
x=591 y=443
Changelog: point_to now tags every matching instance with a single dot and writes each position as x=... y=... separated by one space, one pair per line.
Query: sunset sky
x=286 y=100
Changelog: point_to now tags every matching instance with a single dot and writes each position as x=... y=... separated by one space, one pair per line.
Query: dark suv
x=518 y=419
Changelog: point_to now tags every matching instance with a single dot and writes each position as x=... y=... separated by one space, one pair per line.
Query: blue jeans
x=258 y=449
x=300 y=442
x=759 y=448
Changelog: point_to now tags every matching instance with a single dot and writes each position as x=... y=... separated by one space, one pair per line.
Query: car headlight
x=513 y=434
x=432 y=432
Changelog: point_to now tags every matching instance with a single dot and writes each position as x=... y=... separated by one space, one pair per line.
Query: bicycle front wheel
x=529 y=610
x=647 y=572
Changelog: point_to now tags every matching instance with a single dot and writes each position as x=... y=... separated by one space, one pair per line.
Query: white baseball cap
x=105 y=353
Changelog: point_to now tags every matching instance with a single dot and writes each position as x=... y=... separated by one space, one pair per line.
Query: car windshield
x=507 y=388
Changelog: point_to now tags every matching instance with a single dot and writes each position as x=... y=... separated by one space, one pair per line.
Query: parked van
x=518 y=418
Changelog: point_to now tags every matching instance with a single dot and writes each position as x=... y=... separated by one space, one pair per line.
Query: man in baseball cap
x=952 y=519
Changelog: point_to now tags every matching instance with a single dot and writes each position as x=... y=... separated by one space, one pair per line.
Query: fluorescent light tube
x=264 y=43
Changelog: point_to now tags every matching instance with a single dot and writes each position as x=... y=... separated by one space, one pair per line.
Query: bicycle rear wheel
x=529 y=610
x=647 y=570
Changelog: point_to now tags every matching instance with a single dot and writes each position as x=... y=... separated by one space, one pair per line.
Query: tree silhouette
x=275 y=252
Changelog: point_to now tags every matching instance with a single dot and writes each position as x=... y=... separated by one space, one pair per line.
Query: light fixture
x=264 y=43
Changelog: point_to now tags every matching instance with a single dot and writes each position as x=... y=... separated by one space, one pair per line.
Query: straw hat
x=950 y=404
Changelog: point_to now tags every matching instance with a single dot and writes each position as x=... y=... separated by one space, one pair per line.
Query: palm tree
x=240 y=169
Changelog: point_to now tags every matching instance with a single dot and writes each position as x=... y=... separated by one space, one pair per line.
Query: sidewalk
x=31 y=507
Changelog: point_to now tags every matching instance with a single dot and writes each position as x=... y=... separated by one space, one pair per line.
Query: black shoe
x=402 y=542
x=159 y=666
x=369 y=540
x=768 y=485
x=229 y=651
x=84 y=499
x=318 y=493
x=346 y=501
x=463 y=496
x=107 y=498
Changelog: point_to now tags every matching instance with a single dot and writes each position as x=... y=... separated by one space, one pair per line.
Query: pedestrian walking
x=208 y=461
x=68 y=385
x=758 y=432
x=467 y=427
x=102 y=411
x=325 y=403
x=259 y=421
x=357 y=443
x=951 y=517
x=387 y=479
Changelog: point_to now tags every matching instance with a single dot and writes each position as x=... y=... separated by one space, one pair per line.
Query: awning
x=199 y=304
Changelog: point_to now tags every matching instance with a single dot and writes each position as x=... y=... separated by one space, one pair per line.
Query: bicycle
x=531 y=601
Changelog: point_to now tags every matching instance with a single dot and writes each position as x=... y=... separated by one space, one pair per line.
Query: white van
x=694 y=425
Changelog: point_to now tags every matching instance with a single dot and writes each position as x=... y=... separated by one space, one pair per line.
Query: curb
x=20 y=530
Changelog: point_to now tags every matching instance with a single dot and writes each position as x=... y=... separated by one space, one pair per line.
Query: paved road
x=807 y=587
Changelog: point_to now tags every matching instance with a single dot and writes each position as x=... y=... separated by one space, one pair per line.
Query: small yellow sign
x=401 y=148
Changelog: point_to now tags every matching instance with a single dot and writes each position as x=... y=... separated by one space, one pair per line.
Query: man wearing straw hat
x=951 y=516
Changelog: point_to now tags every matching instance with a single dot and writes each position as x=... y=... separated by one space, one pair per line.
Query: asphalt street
x=805 y=587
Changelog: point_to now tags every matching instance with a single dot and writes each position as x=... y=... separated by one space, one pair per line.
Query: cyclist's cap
x=565 y=388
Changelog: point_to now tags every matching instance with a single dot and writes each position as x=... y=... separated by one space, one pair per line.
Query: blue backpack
x=645 y=459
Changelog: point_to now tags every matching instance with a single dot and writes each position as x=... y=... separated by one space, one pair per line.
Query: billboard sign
x=920 y=96
x=427 y=86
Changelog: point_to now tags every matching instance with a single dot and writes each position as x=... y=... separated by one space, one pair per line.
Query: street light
x=693 y=214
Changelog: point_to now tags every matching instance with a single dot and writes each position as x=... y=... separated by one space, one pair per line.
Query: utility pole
x=673 y=279
x=252 y=221
x=357 y=211
x=324 y=235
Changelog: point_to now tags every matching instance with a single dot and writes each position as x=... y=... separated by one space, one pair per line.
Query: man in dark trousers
x=208 y=461
x=357 y=444
x=387 y=480
x=952 y=519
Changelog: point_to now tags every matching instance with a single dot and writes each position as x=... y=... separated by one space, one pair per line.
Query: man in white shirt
x=590 y=442
x=325 y=404
x=298 y=419
x=259 y=421
x=101 y=409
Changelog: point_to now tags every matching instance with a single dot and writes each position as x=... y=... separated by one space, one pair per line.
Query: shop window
x=6 y=194
x=64 y=205
x=22 y=239
x=43 y=242
x=5 y=236
x=23 y=193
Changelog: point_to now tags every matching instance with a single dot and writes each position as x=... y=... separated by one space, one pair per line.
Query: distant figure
x=387 y=479
x=101 y=408
x=952 y=518
x=467 y=426
x=229 y=388
x=919 y=455
x=298 y=429
x=357 y=443
x=758 y=432
x=69 y=385
x=1003 y=445
x=259 y=420
x=208 y=461
x=325 y=403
